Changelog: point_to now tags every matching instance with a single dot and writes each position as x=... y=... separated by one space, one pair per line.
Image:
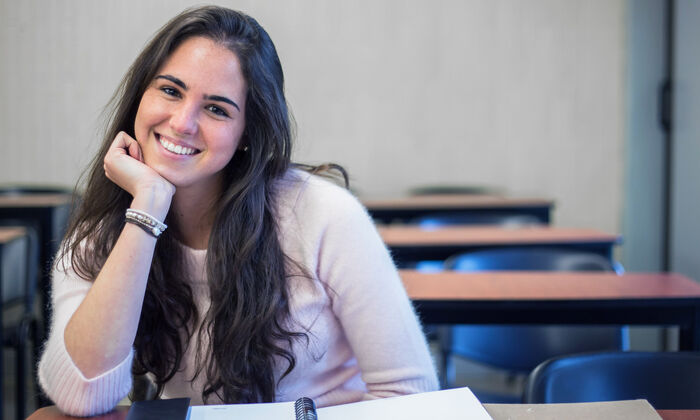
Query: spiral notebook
x=450 y=404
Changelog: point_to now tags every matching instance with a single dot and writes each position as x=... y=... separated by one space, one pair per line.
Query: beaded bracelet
x=146 y=222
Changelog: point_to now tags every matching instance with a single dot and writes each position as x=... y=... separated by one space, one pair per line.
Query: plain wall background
x=523 y=95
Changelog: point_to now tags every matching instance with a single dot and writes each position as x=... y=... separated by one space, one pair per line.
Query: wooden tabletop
x=505 y=285
x=35 y=200
x=679 y=414
x=52 y=413
x=404 y=235
x=452 y=201
x=8 y=234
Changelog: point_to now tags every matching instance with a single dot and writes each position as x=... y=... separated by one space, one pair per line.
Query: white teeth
x=179 y=150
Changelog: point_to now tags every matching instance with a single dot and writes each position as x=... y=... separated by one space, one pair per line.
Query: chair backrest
x=529 y=258
x=455 y=190
x=522 y=348
x=436 y=220
x=667 y=380
x=20 y=280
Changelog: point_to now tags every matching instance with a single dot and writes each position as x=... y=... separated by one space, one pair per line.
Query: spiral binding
x=305 y=409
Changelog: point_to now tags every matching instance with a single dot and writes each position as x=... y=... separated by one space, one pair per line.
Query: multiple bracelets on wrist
x=145 y=221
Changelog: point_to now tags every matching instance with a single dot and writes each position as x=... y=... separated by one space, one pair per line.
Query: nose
x=183 y=119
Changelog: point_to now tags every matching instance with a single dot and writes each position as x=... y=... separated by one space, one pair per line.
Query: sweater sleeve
x=370 y=301
x=59 y=377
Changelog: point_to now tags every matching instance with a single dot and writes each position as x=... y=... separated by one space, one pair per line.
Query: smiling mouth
x=177 y=149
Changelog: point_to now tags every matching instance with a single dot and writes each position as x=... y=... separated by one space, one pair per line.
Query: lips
x=176 y=148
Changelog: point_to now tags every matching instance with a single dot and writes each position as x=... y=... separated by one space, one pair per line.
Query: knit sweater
x=365 y=340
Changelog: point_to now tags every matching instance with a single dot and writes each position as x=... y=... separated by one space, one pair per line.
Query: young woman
x=267 y=284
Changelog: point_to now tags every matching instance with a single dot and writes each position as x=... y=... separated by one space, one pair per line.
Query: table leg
x=689 y=335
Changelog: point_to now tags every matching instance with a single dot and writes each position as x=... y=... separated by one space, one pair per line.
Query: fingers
x=123 y=162
x=125 y=142
x=124 y=165
x=134 y=150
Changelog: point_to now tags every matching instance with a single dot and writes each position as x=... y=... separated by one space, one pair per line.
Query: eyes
x=216 y=110
x=170 y=91
x=212 y=108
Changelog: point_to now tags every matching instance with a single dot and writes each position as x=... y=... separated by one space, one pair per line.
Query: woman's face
x=192 y=115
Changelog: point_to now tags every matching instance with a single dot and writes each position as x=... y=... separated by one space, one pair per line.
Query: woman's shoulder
x=301 y=192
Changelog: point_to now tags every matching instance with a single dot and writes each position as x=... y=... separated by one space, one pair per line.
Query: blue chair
x=519 y=349
x=19 y=291
x=669 y=381
x=505 y=219
x=529 y=258
x=438 y=219
x=454 y=190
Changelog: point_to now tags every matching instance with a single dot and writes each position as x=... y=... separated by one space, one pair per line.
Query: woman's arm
x=101 y=332
x=85 y=368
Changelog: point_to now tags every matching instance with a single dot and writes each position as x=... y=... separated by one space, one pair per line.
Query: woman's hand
x=124 y=165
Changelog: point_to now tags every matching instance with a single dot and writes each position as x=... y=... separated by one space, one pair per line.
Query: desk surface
x=397 y=236
x=532 y=285
x=52 y=413
x=8 y=234
x=560 y=298
x=453 y=201
x=35 y=200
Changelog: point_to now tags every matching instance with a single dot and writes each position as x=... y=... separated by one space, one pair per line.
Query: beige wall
x=526 y=95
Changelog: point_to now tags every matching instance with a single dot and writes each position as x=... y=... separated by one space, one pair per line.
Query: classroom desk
x=407 y=208
x=7 y=236
x=52 y=413
x=558 y=297
x=50 y=212
x=412 y=243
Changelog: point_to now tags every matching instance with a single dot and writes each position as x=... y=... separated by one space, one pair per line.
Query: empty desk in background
x=561 y=298
x=9 y=237
x=408 y=208
x=50 y=213
x=410 y=243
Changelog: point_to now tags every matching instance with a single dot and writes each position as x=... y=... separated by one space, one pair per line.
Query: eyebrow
x=172 y=79
x=222 y=99
x=206 y=97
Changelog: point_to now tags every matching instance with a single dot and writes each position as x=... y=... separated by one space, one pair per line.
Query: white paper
x=450 y=404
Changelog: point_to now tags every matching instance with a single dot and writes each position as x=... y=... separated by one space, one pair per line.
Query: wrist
x=154 y=199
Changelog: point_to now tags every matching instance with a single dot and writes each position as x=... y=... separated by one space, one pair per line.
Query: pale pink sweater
x=365 y=339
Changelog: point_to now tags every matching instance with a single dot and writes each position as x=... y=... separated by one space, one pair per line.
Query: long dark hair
x=246 y=267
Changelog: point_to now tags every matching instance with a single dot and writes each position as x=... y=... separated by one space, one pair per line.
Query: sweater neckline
x=190 y=249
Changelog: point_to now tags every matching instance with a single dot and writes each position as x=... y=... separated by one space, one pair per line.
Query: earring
x=245 y=148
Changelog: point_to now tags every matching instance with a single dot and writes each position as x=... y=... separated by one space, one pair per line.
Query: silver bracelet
x=146 y=222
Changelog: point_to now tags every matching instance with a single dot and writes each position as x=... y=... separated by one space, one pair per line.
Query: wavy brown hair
x=245 y=265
